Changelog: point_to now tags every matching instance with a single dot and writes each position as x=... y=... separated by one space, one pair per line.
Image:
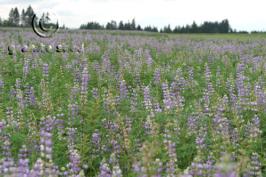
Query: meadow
x=132 y=104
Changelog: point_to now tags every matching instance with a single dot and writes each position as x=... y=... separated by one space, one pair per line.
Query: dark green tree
x=92 y=25
x=28 y=16
x=225 y=27
x=16 y=17
x=139 y=28
x=194 y=28
x=11 y=18
x=111 y=25
x=167 y=29
x=121 y=25
x=23 y=18
x=133 y=24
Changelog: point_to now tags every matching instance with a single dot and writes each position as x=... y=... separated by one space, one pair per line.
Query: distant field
x=123 y=103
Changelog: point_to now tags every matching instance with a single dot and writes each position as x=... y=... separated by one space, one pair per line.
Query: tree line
x=16 y=19
x=24 y=19
x=206 y=27
x=113 y=25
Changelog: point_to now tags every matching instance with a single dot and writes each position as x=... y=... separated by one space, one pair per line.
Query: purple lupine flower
x=168 y=104
x=221 y=123
x=37 y=170
x=148 y=58
x=32 y=96
x=200 y=140
x=255 y=165
x=210 y=89
x=197 y=169
x=95 y=93
x=157 y=76
x=12 y=92
x=77 y=76
x=96 y=139
x=171 y=151
x=74 y=165
x=46 y=144
x=157 y=107
x=159 y=168
x=11 y=121
x=26 y=68
x=234 y=138
x=71 y=132
x=206 y=99
x=116 y=172
x=228 y=174
x=73 y=110
x=59 y=123
x=192 y=123
x=260 y=95
x=133 y=101
x=207 y=73
x=116 y=146
x=180 y=80
x=225 y=168
x=105 y=170
x=241 y=90
x=106 y=63
x=139 y=170
x=191 y=75
x=96 y=66
x=254 y=127
x=2 y=84
x=209 y=166
x=137 y=78
x=18 y=84
x=147 y=99
x=84 y=81
x=23 y=162
x=176 y=97
x=128 y=124
x=7 y=162
x=74 y=92
x=232 y=95
x=123 y=89
x=46 y=138
x=45 y=70
x=20 y=99
x=148 y=126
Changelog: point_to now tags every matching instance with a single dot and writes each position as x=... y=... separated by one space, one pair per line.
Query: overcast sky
x=242 y=14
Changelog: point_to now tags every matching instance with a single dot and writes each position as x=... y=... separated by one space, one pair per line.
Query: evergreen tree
x=28 y=16
x=121 y=25
x=139 y=28
x=111 y=25
x=16 y=17
x=194 y=28
x=11 y=18
x=23 y=18
x=133 y=25
x=167 y=29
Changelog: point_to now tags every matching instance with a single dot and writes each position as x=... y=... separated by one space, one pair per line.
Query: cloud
x=244 y=15
x=18 y=1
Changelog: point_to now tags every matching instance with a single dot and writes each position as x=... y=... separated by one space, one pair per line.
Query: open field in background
x=132 y=104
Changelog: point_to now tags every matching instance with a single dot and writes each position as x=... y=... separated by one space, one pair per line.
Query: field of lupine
x=113 y=104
